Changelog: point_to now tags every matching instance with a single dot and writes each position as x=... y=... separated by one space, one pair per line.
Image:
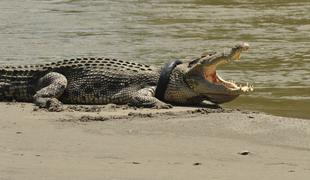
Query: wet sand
x=117 y=142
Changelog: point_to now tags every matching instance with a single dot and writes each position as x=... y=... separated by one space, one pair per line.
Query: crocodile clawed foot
x=50 y=104
x=161 y=105
x=54 y=105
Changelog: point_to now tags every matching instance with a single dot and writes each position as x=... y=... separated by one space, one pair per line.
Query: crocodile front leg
x=51 y=86
x=145 y=98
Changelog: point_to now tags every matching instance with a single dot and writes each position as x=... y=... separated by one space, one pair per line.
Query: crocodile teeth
x=246 y=87
x=232 y=81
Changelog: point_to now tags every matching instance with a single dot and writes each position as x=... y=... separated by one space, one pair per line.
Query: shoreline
x=117 y=142
x=292 y=108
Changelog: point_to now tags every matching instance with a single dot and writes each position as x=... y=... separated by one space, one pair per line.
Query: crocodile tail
x=2 y=89
x=2 y=84
x=11 y=83
x=3 y=79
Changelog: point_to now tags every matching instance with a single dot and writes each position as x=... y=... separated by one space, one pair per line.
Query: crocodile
x=99 y=81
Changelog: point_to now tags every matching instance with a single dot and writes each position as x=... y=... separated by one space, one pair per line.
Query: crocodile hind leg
x=145 y=98
x=51 y=87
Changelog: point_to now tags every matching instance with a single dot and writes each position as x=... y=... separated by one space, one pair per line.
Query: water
x=278 y=64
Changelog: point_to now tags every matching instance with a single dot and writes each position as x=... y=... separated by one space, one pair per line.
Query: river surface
x=278 y=63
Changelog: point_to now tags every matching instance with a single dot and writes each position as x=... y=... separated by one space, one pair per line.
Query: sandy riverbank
x=114 y=142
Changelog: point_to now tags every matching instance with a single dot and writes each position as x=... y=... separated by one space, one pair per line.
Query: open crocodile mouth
x=212 y=76
x=204 y=79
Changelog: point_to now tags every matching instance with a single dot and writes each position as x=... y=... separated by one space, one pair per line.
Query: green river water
x=278 y=63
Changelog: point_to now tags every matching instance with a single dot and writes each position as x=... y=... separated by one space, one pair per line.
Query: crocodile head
x=203 y=79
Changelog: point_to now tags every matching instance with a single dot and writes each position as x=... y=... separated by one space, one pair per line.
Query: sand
x=117 y=142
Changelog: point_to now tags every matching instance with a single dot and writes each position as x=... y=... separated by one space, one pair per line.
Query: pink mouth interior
x=213 y=77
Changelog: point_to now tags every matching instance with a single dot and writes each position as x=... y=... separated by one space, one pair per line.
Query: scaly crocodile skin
x=107 y=80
